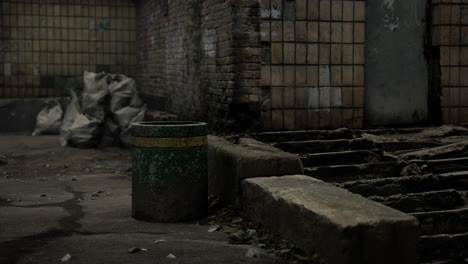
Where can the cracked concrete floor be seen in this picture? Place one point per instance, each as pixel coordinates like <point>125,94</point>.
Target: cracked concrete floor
<point>48,210</point>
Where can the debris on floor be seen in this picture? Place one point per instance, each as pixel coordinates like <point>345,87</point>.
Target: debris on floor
<point>3,160</point>
<point>136,250</point>
<point>159,241</point>
<point>243,231</point>
<point>66,258</point>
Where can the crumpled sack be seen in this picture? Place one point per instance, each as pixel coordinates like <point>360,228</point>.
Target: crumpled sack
<point>126,134</point>
<point>125,116</point>
<point>85,132</point>
<point>122,89</point>
<point>95,95</point>
<point>111,133</point>
<point>73,110</point>
<point>49,119</point>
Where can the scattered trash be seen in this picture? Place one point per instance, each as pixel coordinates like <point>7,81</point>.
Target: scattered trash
<point>73,110</point>
<point>252,253</point>
<point>84,132</point>
<point>111,103</point>
<point>238,236</point>
<point>49,119</point>
<point>170,256</point>
<point>95,194</point>
<point>411,169</point>
<point>159,241</point>
<point>47,165</point>
<point>251,232</point>
<point>3,160</point>
<point>66,258</point>
<point>108,194</point>
<point>8,200</point>
<point>213,228</point>
<point>237,220</point>
<point>78,200</point>
<point>95,95</point>
<point>230,229</point>
<point>136,250</point>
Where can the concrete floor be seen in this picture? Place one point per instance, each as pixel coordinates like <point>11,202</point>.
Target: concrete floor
<point>48,210</point>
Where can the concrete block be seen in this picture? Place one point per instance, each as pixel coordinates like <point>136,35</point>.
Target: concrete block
<point>229,164</point>
<point>341,227</point>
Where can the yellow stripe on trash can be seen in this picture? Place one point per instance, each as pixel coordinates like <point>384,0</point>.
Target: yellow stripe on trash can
<point>145,142</point>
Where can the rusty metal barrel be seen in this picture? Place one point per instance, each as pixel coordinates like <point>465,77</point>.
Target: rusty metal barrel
<point>169,166</point>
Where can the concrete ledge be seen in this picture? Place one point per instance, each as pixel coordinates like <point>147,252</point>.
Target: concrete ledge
<point>340,226</point>
<point>229,164</point>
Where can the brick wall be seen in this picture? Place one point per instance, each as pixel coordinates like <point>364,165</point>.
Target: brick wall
<point>312,63</point>
<point>46,45</point>
<point>194,59</point>
<point>450,38</point>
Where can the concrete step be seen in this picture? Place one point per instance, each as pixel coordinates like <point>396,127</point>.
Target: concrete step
<point>455,150</point>
<point>391,146</point>
<point>283,136</point>
<point>408,184</point>
<point>445,246</point>
<point>448,261</point>
<point>344,158</point>
<point>345,173</point>
<point>320,146</point>
<point>443,165</point>
<point>443,222</point>
<point>424,201</point>
<point>339,226</point>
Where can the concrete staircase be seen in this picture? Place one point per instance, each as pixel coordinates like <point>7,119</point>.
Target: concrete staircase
<point>422,172</point>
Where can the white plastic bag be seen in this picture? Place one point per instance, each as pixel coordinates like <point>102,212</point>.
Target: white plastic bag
<point>73,110</point>
<point>49,119</point>
<point>126,134</point>
<point>95,95</point>
<point>85,132</point>
<point>122,90</point>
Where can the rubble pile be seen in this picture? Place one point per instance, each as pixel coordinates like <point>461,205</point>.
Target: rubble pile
<point>102,116</point>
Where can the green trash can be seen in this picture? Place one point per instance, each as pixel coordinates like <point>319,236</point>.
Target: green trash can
<point>169,182</point>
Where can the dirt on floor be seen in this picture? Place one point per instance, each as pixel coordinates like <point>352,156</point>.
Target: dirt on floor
<point>58,201</point>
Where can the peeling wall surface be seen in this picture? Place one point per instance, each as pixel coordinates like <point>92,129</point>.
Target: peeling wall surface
<point>397,83</point>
